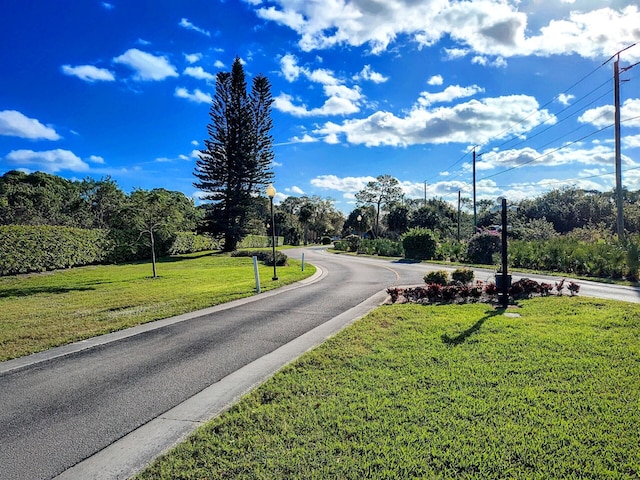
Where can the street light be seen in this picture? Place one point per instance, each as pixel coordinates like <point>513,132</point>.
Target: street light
<point>271,192</point>
<point>359,225</point>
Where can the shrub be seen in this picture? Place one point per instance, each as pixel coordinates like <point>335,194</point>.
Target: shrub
<point>381,246</point>
<point>451,251</point>
<point>462,275</point>
<point>419,244</point>
<point>28,248</point>
<point>353,241</point>
<point>482,246</point>
<point>633,262</point>
<point>440,277</point>
<point>341,245</point>
<point>325,240</point>
<point>265,256</point>
<point>190,242</point>
<point>259,241</point>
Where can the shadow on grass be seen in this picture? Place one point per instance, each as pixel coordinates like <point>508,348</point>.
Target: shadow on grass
<point>462,337</point>
<point>26,292</point>
<point>407,260</point>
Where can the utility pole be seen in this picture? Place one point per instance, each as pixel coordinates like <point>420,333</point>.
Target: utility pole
<point>425,193</point>
<point>618,153</point>
<point>616,94</point>
<point>475,213</point>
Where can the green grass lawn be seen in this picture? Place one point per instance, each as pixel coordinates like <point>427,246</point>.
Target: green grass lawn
<point>441,392</point>
<point>40,311</point>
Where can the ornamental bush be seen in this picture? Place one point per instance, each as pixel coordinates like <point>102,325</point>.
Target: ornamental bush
<point>482,246</point>
<point>419,244</point>
<point>440,277</point>
<point>353,241</point>
<point>462,275</point>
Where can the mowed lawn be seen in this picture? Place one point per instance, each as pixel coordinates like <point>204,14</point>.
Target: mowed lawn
<point>444,392</point>
<point>40,311</point>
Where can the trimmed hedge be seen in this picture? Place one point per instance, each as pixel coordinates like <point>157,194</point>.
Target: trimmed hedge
<point>259,241</point>
<point>264,256</point>
<point>190,242</point>
<point>37,248</point>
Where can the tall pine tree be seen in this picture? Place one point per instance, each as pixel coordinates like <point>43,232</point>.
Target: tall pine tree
<point>235,167</point>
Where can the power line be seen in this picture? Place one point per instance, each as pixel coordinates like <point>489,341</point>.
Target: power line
<point>557,149</point>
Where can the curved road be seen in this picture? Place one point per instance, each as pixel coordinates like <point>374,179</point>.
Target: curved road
<point>62,407</point>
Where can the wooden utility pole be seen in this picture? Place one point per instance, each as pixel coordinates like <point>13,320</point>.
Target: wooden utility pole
<point>619,199</point>
<point>618,153</point>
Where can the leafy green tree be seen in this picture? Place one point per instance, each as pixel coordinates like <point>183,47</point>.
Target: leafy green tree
<point>104,200</point>
<point>383,192</point>
<point>398,219</point>
<point>362,226</point>
<point>235,167</point>
<point>160,213</point>
<point>41,199</point>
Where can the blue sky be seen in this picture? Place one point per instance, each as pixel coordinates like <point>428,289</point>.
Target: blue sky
<point>361,87</point>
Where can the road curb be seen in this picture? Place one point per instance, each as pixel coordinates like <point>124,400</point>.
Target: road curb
<point>135,451</point>
<point>72,348</point>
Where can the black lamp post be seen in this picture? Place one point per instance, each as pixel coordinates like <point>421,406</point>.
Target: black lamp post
<point>271,192</point>
<point>505,276</point>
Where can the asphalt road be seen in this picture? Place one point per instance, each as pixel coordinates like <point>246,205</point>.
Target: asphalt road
<point>63,408</point>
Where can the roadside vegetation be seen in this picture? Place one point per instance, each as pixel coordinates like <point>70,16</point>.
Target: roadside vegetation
<point>40,311</point>
<point>449,391</point>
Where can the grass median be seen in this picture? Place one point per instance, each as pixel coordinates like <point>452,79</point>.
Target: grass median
<point>442,392</point>
<point>40,311</point>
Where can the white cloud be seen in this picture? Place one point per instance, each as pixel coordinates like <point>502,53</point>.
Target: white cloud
<point>51,161</point>
<point>197,96</point>
<point>604,116</point>
<point>435,80</point>
<point>345,185</point>
<point>219,65</point>
<point>89,73</point>
<point>565,99</point>
<point>96,159</point>
<point>482,27</point>
<point>146,66</point>
<point>631,141</point>
<point>194,143</point>
<point>294,189</point>
<point>193,57</point>
<point>15,124</point>
<point>107,6</point>
<point>368,73</point>
<point>199,73</point>
<point>342,100</point>
<point>473,122</point>
<point>598,155</point>
<point>449,94</point>
<point>184,23</point>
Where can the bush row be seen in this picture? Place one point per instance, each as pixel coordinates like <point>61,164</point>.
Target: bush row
<point>459,292</point>
<point>265,256</point>
<point>190,242</point>
<point>259,241</point>
<point>565,254</point>
<point>27,248</point>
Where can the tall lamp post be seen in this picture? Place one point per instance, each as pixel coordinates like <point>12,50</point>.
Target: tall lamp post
<point>360,225</point>
<point>271,192</point>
